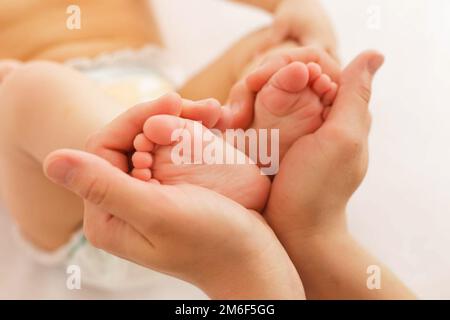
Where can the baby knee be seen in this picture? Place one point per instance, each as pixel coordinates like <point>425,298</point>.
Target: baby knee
<point>29,79</point>
<point>22,95</point>
<point>27,87</point>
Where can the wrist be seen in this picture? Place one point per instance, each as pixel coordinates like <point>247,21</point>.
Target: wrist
<point>305,221</point>
<point>314,244</point>
<point>267,273</point>
<point>320,236</point>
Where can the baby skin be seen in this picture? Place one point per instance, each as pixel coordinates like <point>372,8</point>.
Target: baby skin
<point>153,161</point>
<point>293,100</point>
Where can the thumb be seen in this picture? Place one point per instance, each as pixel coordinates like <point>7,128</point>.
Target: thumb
<point>241,104</point>
<point>355,90</point>
<point>98,182</point>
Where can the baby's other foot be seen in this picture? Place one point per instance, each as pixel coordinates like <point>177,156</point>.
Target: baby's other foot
<point>167,151</point>
<point>293,101</point>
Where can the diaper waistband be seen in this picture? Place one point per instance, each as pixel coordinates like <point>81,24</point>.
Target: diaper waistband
<point>151,59</point>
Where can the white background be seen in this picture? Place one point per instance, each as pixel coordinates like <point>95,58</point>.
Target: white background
<point>402,211</point>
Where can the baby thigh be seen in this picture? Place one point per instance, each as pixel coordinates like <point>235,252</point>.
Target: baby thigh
<point>43,107</point>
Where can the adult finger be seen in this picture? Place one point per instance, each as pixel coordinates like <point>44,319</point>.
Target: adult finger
<point>117,237</point>
<point>120,133</point>
<point>107,187</point>
<point>207,111</point>
<point>241,106</point>
<point>258,78</point>
<point>114,141</point>
<point>352,102</point>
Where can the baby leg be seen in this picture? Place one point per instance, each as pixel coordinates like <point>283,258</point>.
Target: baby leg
<point>43,107</point>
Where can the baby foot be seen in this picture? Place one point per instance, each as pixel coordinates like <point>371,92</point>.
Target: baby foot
<point>167,151</point>
<point>293,101</point>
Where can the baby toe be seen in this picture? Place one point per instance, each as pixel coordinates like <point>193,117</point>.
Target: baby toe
<point>142,174</point>
<point>160,129</point>
<point>322,85</point>
<point>315,71</point>
<point>142,143</point>
<point>259,77</point>
<point>292,78</point>
<point>142,160</point>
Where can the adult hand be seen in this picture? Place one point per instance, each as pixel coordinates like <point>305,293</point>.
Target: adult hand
<point>321,171</point>
<point>317,177</point>
<point>185,231</point>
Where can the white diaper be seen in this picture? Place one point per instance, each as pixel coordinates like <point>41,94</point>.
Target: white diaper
<point>131,77</point>
<point>98,268</point>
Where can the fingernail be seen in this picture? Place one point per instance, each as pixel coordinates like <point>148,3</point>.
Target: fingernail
<point>375,63</point>
<point>60,170</point>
